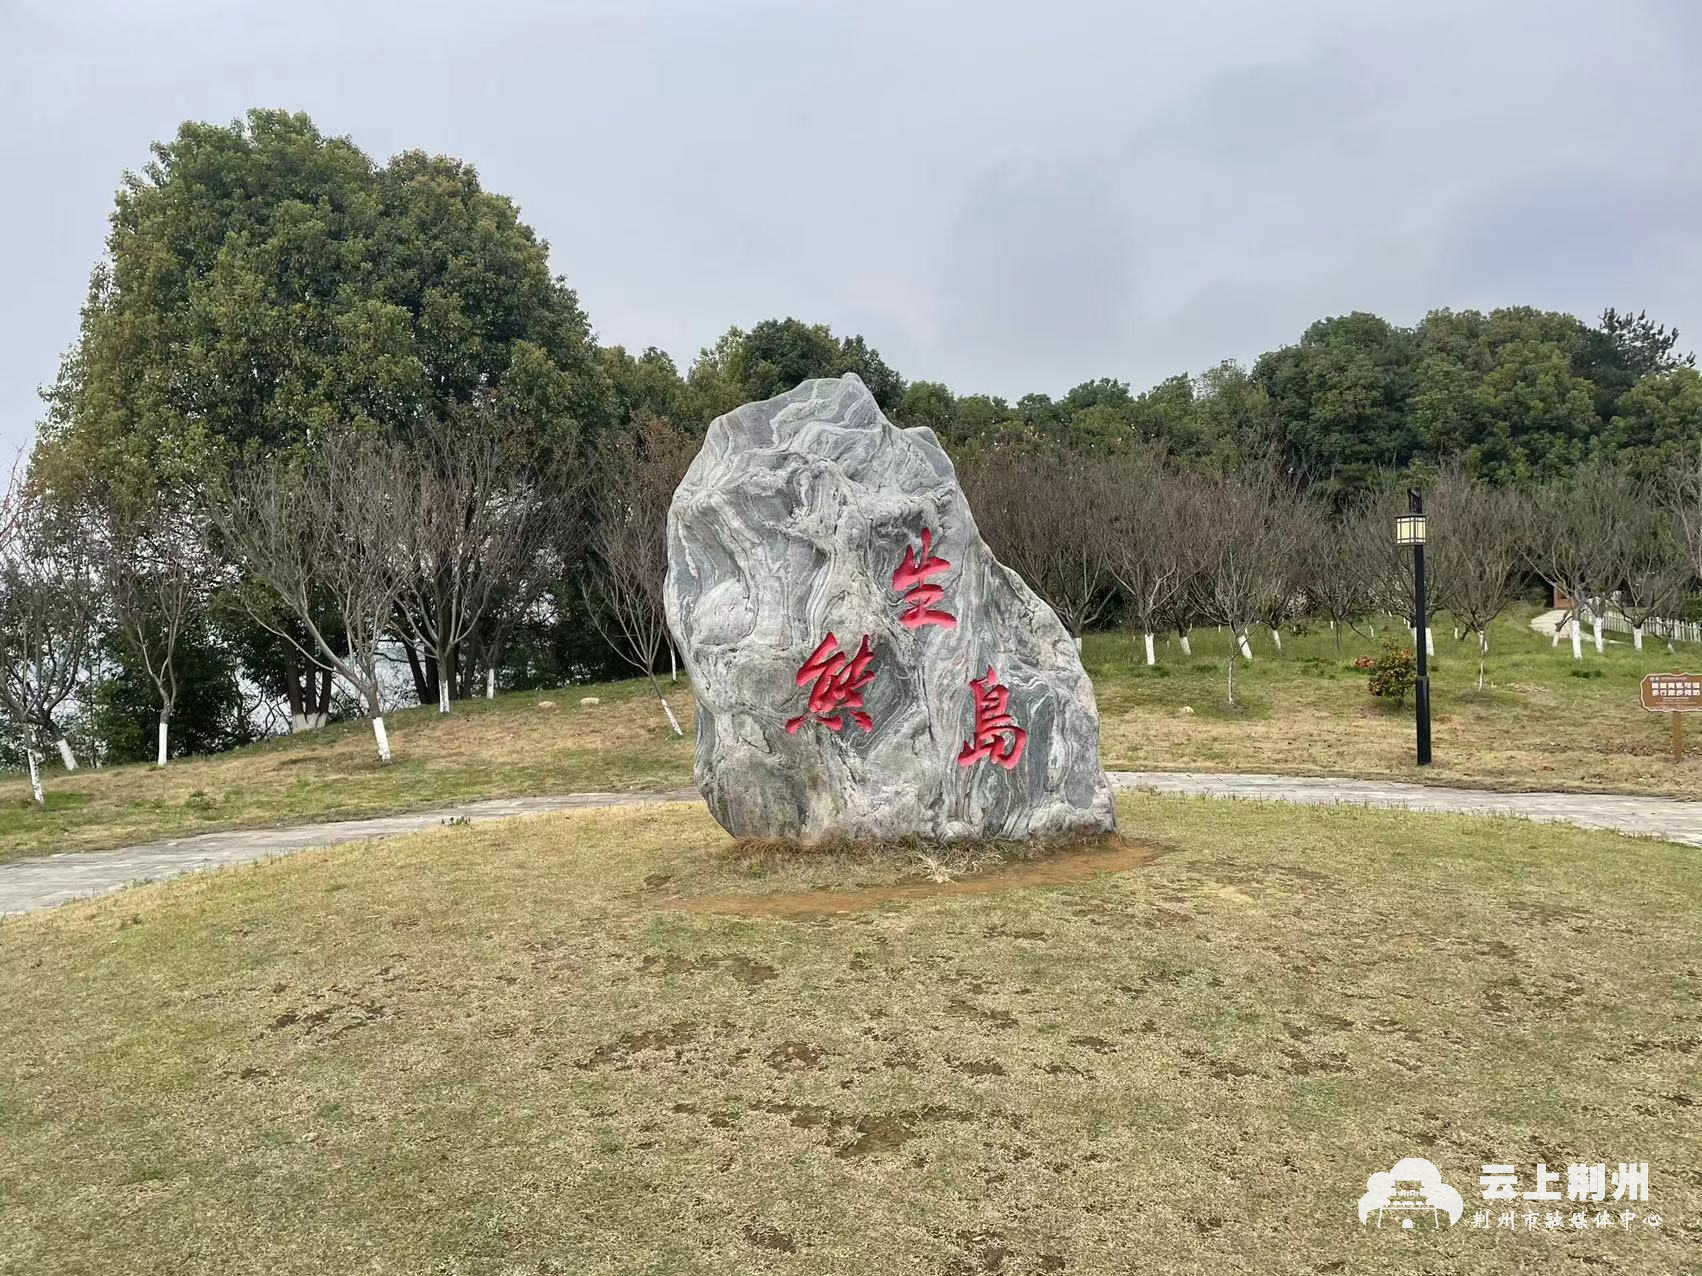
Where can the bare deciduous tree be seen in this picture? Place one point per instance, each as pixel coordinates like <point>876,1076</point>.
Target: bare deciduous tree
<point>635,475</point>
<point>48,607</point>
<point>472,523</point>
<point>1687,504</point>
<point>1333,565</point>
<point>1657,565</point>
<point>1248,540</point>
<point>1044,512</point>
<point>1147,539</point>
<point>1473,537</point>
<point>324,528</point>
<point>1576,538</point>
<point>157,572</point>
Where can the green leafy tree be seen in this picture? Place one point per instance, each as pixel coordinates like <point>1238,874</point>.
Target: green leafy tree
<point>264,283</point>
<point>1658,425</point>
<point>1505,392</point>
<point>1339,399</point>
<point>775,355</point>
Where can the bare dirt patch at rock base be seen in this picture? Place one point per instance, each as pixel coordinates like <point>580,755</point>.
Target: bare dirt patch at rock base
<point>1113,854</point>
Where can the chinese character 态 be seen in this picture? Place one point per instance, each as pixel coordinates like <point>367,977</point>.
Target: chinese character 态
<point>994,725</point>
<point>911,580</point>
<point>838,686</point>
<point>1499,1182</point>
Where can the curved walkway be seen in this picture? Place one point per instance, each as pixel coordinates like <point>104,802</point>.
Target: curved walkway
<point>45,880</point>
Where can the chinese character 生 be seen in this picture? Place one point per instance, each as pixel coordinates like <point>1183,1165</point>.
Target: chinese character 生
<point>911,579</point>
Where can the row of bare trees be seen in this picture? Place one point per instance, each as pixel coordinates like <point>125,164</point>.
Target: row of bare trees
<point>1169,549</point>
<point>439,546</point>
<point>442,544</point>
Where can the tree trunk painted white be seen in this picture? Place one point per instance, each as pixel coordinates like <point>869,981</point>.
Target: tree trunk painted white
<point>1429,641</point>
<point>65,754</point>
<point>1637,637</point>
<point>1276,637</point>
<point>298,722</point>
<point>163,730</point>
<point>1246,647</point>
<point>490,683</point>
<point>673,664</point>
<point>1598,628</point>
<point>1556,640</point>
<point>382,736</point>
<point>1577,639</point>
<point>443,695</point>
<point>669,710</point>
<point>1078,642</point>
<point>35,779</point>
<point>1482,655</point>
<point>1151,656</point>
<point>1187,647</point>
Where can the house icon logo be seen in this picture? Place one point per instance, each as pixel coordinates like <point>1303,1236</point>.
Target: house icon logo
<point>1409,1193</point>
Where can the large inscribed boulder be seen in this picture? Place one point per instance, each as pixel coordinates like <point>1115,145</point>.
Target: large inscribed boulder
<point>864,667</point>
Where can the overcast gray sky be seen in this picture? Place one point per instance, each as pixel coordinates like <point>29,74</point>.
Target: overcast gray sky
<point>1005,197</point>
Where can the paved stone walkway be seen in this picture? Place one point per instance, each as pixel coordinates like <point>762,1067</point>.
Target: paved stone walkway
<point>1668,818</point>
<point>45,880</point>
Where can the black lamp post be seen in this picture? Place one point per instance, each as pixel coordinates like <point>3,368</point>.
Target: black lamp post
<point>1409,530</point>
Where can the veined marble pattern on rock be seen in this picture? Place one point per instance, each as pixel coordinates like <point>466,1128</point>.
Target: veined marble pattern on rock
<point>792,524</point>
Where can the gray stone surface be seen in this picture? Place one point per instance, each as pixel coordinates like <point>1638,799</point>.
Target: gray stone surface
<point>789,527</point>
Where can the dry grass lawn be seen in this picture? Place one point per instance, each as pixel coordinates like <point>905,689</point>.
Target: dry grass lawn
<point>534,1048</point>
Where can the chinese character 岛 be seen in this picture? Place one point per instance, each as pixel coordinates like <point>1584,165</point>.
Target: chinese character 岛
<point>994,726</point>
<point>911,579</point>
<point>838,686</point>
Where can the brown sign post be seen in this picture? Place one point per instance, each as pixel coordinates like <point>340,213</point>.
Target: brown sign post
<point>1677,694</point>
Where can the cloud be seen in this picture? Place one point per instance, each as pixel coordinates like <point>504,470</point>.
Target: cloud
<point>999,203</point>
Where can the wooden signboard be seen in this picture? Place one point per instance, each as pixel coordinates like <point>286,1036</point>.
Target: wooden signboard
<point>1674,693</point>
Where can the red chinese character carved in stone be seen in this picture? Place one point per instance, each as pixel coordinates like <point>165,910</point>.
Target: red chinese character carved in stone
<point>911,579</point>
<point>838,686</point>
<point>997,735</point>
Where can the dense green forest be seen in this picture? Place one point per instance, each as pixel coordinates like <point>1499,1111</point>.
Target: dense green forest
<point>266,287</point>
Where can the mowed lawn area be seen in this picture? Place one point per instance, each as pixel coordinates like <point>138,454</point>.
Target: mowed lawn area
<point>1544,722</point>
<point>611,1042</point>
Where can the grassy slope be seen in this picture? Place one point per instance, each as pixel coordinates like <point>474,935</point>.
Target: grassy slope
<point>501,1050</point>
<point>1306,711</point>
<point>511,745</point>
<point>1542,722</point>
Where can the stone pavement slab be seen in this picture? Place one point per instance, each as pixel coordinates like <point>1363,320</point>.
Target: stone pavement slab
<point>45,880</point>
<point>1671,819</point>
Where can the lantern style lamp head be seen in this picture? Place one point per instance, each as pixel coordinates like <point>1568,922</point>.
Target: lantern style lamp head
<point>1409,529</point>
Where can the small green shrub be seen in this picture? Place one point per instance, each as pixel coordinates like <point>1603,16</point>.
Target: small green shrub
<point>1393,672</point>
